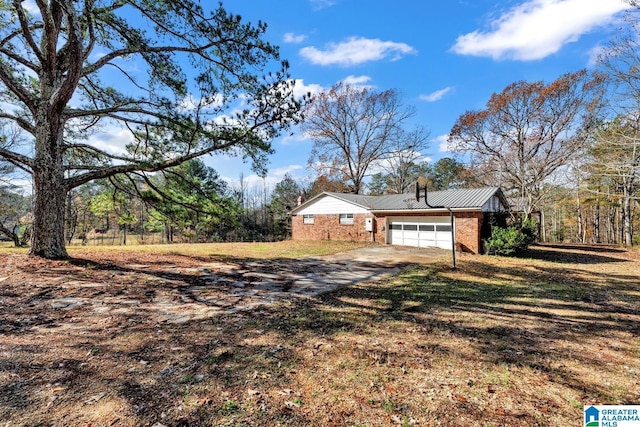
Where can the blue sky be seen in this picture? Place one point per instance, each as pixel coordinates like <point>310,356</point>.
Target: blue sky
<point>444,56</point>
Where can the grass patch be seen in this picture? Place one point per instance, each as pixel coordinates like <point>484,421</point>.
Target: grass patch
<point>259,250</point>
<point>500,341</point>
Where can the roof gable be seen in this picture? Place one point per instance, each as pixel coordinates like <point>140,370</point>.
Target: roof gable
<point>331,203</point>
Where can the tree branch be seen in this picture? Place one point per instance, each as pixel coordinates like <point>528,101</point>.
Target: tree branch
<point>26,30</point>
<point>16,88</point>
<point>19,121</point>
<point>144,166</point>
<point>23,162</point>
<point>13,55</point>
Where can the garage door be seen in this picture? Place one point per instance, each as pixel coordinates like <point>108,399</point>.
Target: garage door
<point>422,232</point>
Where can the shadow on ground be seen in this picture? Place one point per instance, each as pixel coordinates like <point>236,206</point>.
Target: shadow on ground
<point>575,254</point>
<point>110,357</point>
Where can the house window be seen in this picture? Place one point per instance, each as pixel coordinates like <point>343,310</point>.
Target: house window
<point>346,219</point>
<point>307,219</point>
<point>443,227</point>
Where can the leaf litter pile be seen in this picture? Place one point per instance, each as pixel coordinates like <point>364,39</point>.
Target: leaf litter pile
<point>120,338</point>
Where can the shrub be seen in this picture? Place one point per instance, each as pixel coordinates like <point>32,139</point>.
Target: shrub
<point>512,240</point>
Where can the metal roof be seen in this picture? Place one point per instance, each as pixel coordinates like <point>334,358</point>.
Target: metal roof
<point>468,198</point>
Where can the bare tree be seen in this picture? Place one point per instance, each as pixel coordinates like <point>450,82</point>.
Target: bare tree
<point>528,131</point>
<point>615,154</point>
<point>406,154</point>
<point>324,183</point>
<point>56,57</point>
<point>615,165</point>
<point>353,128</point>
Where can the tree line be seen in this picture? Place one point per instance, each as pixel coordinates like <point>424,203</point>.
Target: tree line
<point>186,203</point>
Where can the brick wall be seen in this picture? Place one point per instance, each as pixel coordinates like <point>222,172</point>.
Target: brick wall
<point>468,226</point>
<point>328,227</point>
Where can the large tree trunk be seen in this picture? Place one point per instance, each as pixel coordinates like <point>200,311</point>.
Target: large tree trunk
<point>596,223</point>
<point>626,221</point>
<point>580,234</point>
<point>47,239</point>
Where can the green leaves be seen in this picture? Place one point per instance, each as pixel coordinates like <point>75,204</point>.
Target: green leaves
<point>512,240</point>
<point>134,63</point>
<point>192,196</point>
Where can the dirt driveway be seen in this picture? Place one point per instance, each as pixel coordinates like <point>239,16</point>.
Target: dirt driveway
<point>178,289</point>
<point>393,256</point>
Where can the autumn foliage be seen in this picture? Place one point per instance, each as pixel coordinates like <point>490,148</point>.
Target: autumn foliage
<point>528,131</point>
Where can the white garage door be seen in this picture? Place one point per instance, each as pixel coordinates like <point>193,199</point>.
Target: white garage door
<point>422,232</point>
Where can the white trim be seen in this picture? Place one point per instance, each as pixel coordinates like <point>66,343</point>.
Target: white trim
<point>330,205</point>
<point>345,218</point>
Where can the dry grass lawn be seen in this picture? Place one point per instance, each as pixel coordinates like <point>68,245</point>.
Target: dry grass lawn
<point>499,342</point>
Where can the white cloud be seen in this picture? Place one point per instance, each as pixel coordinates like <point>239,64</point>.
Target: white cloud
<point>254,182</point>
<point>190,103</point>
<point>112,139</point>
<point>10,107</point>
<point>321,4</point>
<point>357,81</point>
<point>436,96</point>
<point>300,89</point>
<point>23,186</point>
<point>595,54</point>
<point>293,38</point>
<point>294,139</point>
<point>444,146</point>
<point>97,53</point>
<point>279,173</point>
<point>31,7</point>
<point>356,50</point>
<point>538,28</point>
<point>391,162</point>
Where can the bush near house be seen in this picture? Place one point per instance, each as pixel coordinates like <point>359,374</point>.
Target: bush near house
<point>512,240</point>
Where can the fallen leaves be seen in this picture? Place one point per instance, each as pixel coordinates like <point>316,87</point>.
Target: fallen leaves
<point>475,347</point>
<point>95,398</point>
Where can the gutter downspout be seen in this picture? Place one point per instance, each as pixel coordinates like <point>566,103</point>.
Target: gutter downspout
<point>453,232</point>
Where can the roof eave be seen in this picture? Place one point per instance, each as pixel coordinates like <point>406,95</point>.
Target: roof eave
<point>427,210</point>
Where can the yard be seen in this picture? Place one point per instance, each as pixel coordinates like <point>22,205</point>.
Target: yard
<point>103,340</point>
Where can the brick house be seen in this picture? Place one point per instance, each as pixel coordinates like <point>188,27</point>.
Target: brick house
<point>400,220</point>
